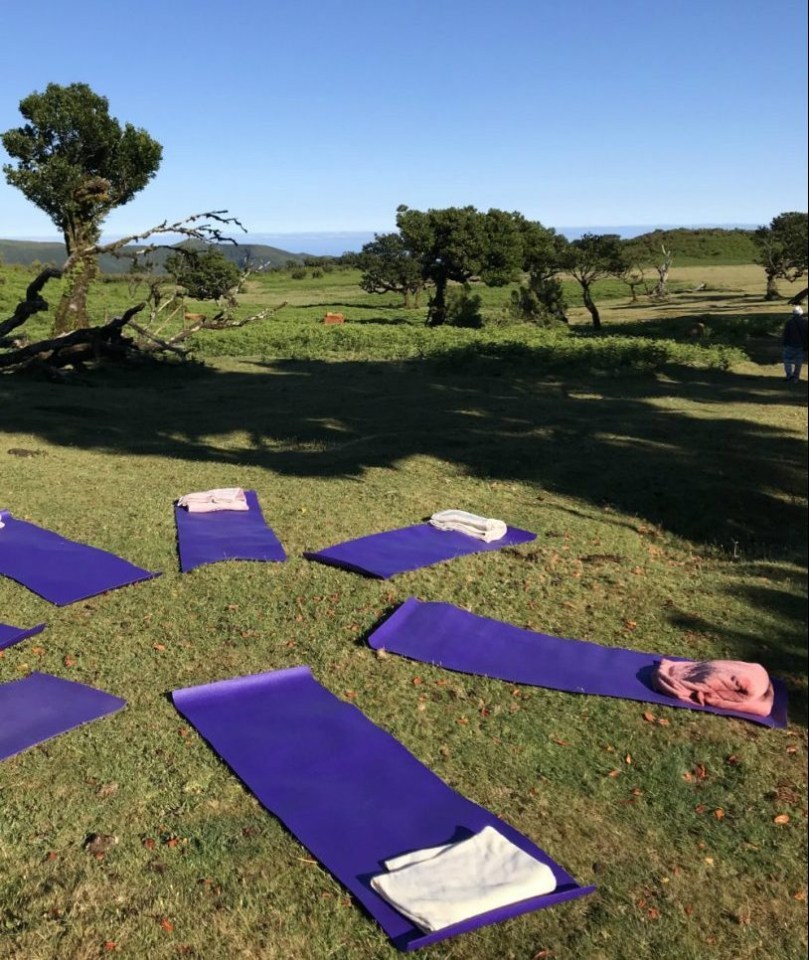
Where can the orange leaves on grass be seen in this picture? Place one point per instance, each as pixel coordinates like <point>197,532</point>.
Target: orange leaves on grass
<point>649,717</point>
<point>781,819</point>
<point>166,924</point>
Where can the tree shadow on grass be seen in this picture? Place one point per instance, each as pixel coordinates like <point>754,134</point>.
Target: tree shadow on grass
<point>717,478</point>
<point>672,451</point>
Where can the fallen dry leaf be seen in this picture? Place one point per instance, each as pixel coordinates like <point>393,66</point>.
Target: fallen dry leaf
<point>648,717</point>
<point>166,924</point>
<point>781,819</point>
<point>719,813</point>
<point>800,896</point>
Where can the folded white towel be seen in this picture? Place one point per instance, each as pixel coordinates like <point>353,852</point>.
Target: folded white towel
<point>444,885</point>
<point>209,501</point>
<point>482,528</point>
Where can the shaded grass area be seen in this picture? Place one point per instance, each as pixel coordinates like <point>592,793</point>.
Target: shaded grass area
<point>670,508</point>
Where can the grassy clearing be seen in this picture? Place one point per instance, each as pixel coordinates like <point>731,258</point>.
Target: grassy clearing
<point>669,500</point>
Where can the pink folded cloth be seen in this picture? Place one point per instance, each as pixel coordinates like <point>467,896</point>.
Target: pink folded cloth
<point>209,501</point>
<point>729,684</point>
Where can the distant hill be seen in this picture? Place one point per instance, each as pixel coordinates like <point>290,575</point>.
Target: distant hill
<point>702,245</point>
<point>26,252</point>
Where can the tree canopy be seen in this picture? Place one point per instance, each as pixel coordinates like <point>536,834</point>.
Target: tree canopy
<point>389,267</point>
<point>76,163</point>
<point>590,258</point>
<point>783,249</point>
<point>204,274</point>
<point>455,244</point>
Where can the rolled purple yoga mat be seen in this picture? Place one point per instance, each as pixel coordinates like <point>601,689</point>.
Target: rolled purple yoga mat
<point>385,554</point>
<point>10,635</point>
<point>446,636</point>
<point>349,791</point>
<point>40,706</point>
<point>61,571</point>
<point>225,535</point>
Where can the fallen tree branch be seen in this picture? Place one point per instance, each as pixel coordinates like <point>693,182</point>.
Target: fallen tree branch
<point>75,347</point>
<point>33,303</point>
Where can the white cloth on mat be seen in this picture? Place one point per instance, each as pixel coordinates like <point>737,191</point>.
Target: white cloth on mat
<point>444,885</point>
<point>482,528</point>
<point>209,501</point>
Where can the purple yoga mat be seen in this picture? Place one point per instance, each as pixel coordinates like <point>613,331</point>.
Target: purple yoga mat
<point>60,570</point>
<point>40,706</point>
<point>350,792</point>
<point>225,535</point>
<point>384,555</point>
<point>446,636</point>
<point>10,635</point>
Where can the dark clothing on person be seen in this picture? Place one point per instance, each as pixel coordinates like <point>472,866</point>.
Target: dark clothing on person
<point>795,332</point>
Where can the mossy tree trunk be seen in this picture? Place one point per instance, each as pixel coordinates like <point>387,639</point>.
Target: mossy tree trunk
<point>71,313</point>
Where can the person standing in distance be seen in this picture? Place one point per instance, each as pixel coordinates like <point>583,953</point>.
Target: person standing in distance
<point>794,340</point>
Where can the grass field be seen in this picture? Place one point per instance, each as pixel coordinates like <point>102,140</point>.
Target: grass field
<point>666,481</point>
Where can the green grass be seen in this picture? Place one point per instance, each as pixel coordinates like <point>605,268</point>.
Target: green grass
<point>668,493</point>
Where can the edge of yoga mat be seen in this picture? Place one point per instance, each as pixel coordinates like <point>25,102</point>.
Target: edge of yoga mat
<point>454,545</point>
<point>225,532</point>
<point>304,811</point>
<point>39,707</point>
<point>385,636</point>
<point>10,635</point>
<point>128,573</point>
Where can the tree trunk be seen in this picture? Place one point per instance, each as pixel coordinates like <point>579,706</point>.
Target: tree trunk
<point>772,287</point>
<point>437,312</point>
<point>71,313</point>
<point>590,304</point>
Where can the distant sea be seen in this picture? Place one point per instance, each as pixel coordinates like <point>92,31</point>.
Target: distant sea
<point>335,243</point>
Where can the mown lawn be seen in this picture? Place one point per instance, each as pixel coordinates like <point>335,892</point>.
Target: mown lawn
<point>667,486</point>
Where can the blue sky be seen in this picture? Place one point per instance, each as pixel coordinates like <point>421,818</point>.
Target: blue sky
<point>324,116</point>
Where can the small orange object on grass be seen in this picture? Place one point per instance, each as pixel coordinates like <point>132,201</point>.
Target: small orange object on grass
<point>334,318</point>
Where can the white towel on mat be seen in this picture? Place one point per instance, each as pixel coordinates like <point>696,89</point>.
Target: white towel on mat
<point>482,528</point>
<point>209,501</point>
<point>444,885</point>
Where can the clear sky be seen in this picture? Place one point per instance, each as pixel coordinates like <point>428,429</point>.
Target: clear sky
<point>324,115</point>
